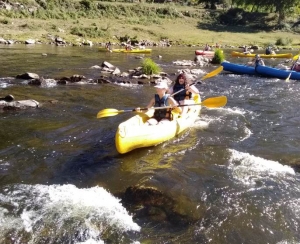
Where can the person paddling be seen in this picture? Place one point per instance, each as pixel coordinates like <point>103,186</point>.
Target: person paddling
<point>207,47</point>
<point>182,91</point>
<point>296,65</point>
<point>161,99</point>
<point>246,50</point>
<point>257,61</point>
<point>108,46</point>
<point>270,51</point>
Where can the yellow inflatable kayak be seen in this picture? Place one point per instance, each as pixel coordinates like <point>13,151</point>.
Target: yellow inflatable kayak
<point>252,55</point>
<point>132,50</point>
<point>133,133</point>
<point>123,50</point>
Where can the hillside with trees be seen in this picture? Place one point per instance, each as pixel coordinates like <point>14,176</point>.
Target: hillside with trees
<point>184,22</point>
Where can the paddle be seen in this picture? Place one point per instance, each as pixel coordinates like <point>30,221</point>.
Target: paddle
<point>8,98</point>
<point>296,57</point>
<point>213,102</point>
<point>288,78</point>
<point>209,75</point>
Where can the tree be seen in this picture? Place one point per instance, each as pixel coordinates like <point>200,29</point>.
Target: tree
<point>209,3</point>
<point>282,7</point>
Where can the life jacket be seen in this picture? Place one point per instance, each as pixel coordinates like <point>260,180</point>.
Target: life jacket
<point>181,95</point>
<point>297,67</point>
<point>257,61</point>
<point>160,114</point>
<point>268,51</point>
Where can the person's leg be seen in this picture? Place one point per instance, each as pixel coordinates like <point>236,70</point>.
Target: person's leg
<point>163,121</point>
<point>185,109</point>
<point>151,121</point>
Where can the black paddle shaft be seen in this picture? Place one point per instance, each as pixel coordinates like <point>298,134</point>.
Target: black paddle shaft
<point>194,83</point>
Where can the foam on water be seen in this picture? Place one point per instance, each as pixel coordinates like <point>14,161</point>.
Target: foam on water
<point>4,85</point>
<point>236,110</point>
<point>86,213</point>
<point>201,124</point>
<point>262,203</point>
<point>248,168</point>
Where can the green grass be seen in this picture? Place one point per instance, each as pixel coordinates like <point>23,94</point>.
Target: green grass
<point>183,25</point>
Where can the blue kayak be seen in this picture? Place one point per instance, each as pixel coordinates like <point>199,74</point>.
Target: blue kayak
<point>260,71</point>
<point>276,73</point>
<point>239,68</point>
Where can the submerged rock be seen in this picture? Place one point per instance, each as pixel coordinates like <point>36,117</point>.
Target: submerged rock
<point>148,202</point>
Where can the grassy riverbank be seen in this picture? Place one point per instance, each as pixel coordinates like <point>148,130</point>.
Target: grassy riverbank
<point>183,25</point>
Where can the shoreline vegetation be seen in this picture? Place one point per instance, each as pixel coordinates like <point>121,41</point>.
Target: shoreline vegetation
<point>96,22</point>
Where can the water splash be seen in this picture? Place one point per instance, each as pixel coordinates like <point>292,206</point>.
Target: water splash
<point>260,205</point>
<point>248,169</point>
<point>62,213</point>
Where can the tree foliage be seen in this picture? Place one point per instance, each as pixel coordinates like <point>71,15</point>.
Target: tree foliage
<point>283,8</point>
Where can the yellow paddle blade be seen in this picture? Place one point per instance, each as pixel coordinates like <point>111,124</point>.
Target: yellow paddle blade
<point>213,73</point>
<point>215,102</point>
<point>288,78</point>
<point>108,112</point>
<point>296,57</point>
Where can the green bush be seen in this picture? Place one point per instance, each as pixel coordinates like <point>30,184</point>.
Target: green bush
<point>89,32</point>
<point>126,38</point>
<point>149,67</point>
<point>218,57</point>
<point>283,41</point>
<point>4,21</point>
<point>87,4</point>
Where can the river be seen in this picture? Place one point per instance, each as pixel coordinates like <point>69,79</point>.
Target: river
<point>234,175</point>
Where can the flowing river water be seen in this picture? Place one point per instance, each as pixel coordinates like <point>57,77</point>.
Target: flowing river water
<point>234,175</point>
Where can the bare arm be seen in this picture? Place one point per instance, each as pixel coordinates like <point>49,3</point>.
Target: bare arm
<point>193,89</point>
<point>172,102</point>
<point>150,104</point>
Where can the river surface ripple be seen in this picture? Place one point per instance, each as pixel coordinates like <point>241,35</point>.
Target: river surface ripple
<point>234,174</point>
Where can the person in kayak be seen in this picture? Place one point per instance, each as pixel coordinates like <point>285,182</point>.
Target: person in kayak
<point>257,61</point>
<point>246,50</point>
<point>161,99</point>
<point>108,46</point>
<point>269,50</point>
<point>183,92</point>
<point>296,65</point>
<point>207,47</point>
